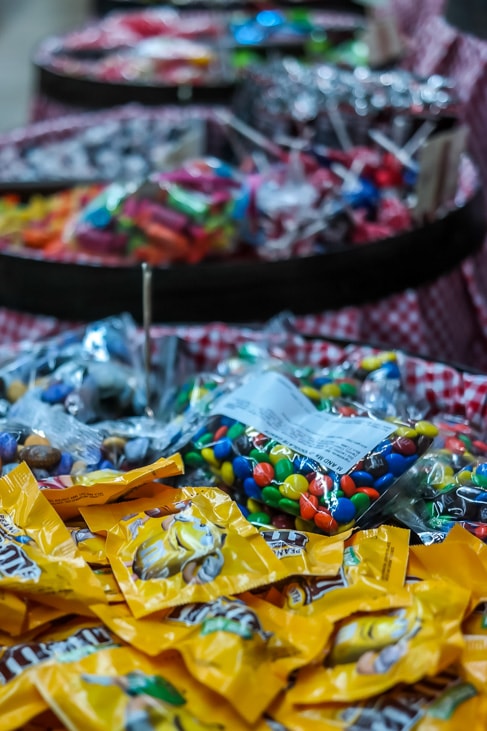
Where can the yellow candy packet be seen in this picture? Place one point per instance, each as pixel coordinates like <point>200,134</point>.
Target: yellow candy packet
<point>371,652</point>
<point>305,553</point>
<point>442,703</point>
<point>253,645</point>
<point>381,553</point>
<point>473,662</point>
<point>89,544</point>
<point>13,612</point>
<point>110,585</point>
<point>124,689</point>
<point>104,486</point>
<point>100,521</point>
<point>19,699</point>
<point>460,558</point>
<point>37,555</point>
<point>371,578</point>
<point>192,550</point>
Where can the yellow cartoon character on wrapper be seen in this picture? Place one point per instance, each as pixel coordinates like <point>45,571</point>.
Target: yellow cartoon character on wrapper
<point>153,704</point>
<point>375,642</point>
<point>187,545</point>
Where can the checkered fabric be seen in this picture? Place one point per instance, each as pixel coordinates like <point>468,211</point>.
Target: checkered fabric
<point>446,387</point>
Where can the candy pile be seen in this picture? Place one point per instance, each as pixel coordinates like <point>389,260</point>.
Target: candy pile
<point>124,145</point>
<point>120,579</point>
<point>188,214</point>
<point>164,47</point>
<point>339,105</point>
<point>310,202</point>
<point>110,616</point>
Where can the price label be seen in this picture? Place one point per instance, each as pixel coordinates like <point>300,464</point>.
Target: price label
<point>439,163</point>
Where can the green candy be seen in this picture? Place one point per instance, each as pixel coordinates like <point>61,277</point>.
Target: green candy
<point>289,506</point>
<point>259,456</point>
<point>193,459</point>
<point>259,518</point>
<point>479,480</point>
<point>348,389</point>
<point>235,430</point>
<point>271,496</point>
<point>361,501</point>
<point>283,468</point>
<point>204,440</point>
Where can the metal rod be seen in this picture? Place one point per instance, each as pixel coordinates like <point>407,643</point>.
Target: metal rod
<point>147,321</point>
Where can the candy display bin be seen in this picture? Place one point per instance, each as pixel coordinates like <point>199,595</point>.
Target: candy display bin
<point>233,289</point>
<point>389,291</point>
<point>158,55</point>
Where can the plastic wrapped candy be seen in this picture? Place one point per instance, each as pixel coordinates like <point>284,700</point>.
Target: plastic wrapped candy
<point>183,215</point>
<point>268,442</point>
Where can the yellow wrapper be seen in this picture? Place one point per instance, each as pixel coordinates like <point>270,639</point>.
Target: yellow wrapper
<point>101,521</point>
<point>473,662</point>
<point>204,548</point>
<point>103,486</point>
<point>37,555</point>
<point>13,613</point>
<point>89,544</point>
<point>372,652</point>
<point>115,689</point>
<point>460,558</point>
<point>379,553</point>
<point>305,553</point>
<point>39,616</point>
<point>442,703</point>
<point>244,649</point>
<point>371,578</point>
<point>19,699</point>
<point>110,585</point>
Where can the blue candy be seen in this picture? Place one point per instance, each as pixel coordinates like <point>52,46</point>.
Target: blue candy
<point>344,511</point>
<point>242,467</point>
<point>362,478</point>
<point>397,463</point>
<point>223,448</point>
<point>252,489</point>
<point>64,465</point>
<point>56,393</point>
<point>8,447</point>
<point>383,482</point>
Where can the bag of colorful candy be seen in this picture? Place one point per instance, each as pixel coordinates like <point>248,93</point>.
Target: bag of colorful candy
<point>446,486</point>
<point>266,441</point>
<point>93,373</point>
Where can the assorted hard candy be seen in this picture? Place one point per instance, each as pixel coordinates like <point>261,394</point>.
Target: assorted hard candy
<point>162,46</point>
<point>337,105</point>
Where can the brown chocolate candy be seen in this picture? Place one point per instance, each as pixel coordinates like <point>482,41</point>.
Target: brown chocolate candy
<point>40,456</point>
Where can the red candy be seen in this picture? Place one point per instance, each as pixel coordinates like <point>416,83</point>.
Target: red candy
<point>347,485</point>
<point>455,445</point>
<point>220,433</point>
<point>404,446</point>
<point>325,521</point>
<point>320,485</point>
<point>371,492</point>
<point>308,506</point>
<point>263,473</point>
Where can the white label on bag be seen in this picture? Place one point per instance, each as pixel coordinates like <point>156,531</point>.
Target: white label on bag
<point>274,406</point>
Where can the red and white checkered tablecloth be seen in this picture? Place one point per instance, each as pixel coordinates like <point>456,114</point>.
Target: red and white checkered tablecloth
<point>445,387</point>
